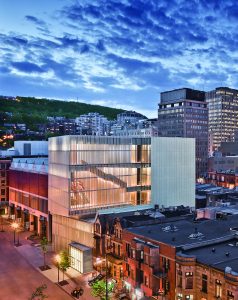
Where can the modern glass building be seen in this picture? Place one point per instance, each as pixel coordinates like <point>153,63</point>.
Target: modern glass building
<point>90,173</point>
<point>223,116</point>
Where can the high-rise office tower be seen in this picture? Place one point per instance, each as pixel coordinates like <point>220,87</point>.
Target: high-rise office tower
<point>184,113</point>
<point>223,116</point>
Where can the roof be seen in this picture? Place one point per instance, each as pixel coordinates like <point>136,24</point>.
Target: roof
<point>30,164</point>
<point>79,246</point>
<point>187,231</point>
<point>219,256</point>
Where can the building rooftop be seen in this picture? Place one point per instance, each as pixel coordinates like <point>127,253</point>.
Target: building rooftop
<point>187,232</point>
<point>219,256</point>
<point>30,164</point>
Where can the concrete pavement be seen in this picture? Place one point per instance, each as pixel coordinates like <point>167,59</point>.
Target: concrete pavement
<point>19,271</point>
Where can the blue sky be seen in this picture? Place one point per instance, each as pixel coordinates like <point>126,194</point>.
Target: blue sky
<point>116,53</point>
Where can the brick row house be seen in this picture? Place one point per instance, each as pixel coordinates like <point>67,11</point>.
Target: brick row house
<point>170,258</point>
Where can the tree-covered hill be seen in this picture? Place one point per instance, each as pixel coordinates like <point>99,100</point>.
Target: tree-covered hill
<point>32,110</point>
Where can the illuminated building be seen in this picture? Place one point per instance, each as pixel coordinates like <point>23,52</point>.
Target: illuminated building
<point>4,181</point>
<point>223,116</point>
<point>184,113</point>
<point>28,193</point>
<point>182,260</point>
<point>89,173</point>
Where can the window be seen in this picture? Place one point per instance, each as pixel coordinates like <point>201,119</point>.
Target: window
<point>2,192</point>
<point>128,269</point>
<point>189,280</point>
<point>118,250</point>
<point>218,288</point>
<point>166,263</point>
<point>97,228</point>
<point>128,249</point>
<point>204,283</point>
<point>179,278</point>
<point>167,286</point>
<point>146,259</point>
<point>141,254</point>
<point>230,295</point>
<point>146,280</point>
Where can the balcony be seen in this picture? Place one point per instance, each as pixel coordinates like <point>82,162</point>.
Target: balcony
<point>115,259</point>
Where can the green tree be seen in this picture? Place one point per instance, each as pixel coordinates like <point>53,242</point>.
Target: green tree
<point>38,294</point>
<point>44,247</point>
<point>99,289</point>
<point>64,263</point>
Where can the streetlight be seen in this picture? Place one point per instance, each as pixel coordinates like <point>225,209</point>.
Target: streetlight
<point>58,259</point>
<point>15,226</point>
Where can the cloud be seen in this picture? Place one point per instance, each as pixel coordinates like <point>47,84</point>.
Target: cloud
<point>129,50</point>
<point>27,67</point>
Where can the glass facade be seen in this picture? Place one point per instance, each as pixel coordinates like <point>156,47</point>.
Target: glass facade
<point>223,113</point>
<point>89,172</point>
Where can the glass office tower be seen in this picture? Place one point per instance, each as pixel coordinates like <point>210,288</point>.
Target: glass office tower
<point>91,172</point>
<point>223,116</point>
<point>184,113</point>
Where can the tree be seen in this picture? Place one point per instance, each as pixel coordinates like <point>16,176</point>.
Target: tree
<point>64,262</point>
<point>44,247</point>
<point>99,289</point>
<point>38,294</point>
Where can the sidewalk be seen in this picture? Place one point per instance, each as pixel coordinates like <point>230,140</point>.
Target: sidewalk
<point>33,254</point>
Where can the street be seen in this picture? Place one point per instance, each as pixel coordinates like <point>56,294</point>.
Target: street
<point>19,279</point>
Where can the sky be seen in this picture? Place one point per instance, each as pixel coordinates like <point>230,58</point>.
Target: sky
<point>116,53</point>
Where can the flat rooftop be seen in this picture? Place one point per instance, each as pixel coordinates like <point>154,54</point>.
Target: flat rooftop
<point>218,256</point>
<point>187,232</point>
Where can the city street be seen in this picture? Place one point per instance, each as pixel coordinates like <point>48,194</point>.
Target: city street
<point>19,279</point>
<point>20,274</point>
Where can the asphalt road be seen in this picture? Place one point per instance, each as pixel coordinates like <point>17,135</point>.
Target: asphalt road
<point>18,279</point>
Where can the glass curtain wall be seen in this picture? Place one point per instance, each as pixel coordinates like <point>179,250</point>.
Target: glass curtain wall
<point>102,171</point>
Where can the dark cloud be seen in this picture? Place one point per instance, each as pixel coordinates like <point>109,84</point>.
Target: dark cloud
<point>40,24</point>
<point>27,67</point>
<point>35,20</point>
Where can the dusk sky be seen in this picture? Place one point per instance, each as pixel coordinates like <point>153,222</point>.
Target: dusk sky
<point>116,53</point>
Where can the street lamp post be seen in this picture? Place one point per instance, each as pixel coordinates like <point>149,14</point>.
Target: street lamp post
<point>15,226</point>
<point>57,258</point>
<point>106,277</point>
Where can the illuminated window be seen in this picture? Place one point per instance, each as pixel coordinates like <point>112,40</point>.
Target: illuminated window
<point>189,280</point>
<point>218,288</point>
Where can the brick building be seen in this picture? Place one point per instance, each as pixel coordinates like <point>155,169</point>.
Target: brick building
<point>28,193</point>
<point>108,240</point>
<point>173,260</point>
<point>226,179</point>
<point>4,189</point>
<point>209,272</point>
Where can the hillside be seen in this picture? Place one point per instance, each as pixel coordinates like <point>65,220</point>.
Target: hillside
<point>31,110</point>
